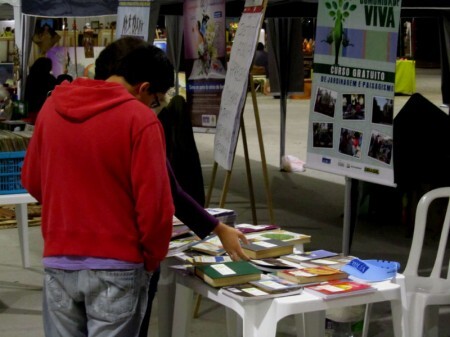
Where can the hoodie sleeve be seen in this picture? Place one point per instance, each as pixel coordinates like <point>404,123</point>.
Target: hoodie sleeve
<point>151,189</point>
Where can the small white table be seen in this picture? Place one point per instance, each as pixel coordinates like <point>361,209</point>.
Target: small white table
<point>166,294</point>
<point>21,202</point>
<point>260,317</point>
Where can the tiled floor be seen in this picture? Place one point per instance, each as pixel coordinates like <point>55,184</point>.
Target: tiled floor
<point>311,202</point>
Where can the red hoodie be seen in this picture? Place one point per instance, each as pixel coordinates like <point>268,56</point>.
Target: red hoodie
<point>97,164</point>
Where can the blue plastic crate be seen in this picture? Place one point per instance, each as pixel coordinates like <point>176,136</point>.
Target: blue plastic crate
<point>10,169</point>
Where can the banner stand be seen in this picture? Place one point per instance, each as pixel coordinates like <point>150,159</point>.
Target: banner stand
<point>247,165</point>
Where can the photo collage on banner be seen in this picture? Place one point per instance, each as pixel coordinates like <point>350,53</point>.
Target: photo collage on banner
<point>352,99</point>
<point>133,19</point>
<point>205,56</point>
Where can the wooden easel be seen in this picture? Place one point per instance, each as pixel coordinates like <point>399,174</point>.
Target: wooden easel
<point>247,165</point>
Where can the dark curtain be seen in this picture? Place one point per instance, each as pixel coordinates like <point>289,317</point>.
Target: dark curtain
<point>174,26</point>
<point>445,58</point>
<point>285,64</point>
<point>72,8</point>
<point>28,23</point>
<point>153,23</point>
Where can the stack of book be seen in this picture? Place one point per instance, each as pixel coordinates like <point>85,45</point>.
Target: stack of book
<point>210,248</point>
<point>227,216</point>
<point>269,286</point>
<point>335,289</point>
<point>280,234</point>
<point>178,246</point>
<point>309,256</point>
<point>14,141</point>
<point>267,248</point>
<point>312,274</point>
<point>228,273</point>
<point>248,228</point>
<point>182,238</point>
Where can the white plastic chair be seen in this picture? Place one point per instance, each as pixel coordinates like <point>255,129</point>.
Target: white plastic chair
<point>425,293</point>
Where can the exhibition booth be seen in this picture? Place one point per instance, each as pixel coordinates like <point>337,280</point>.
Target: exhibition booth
<point>88,30</point>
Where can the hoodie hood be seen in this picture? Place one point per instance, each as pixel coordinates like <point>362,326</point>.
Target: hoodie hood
<point>85,98</point>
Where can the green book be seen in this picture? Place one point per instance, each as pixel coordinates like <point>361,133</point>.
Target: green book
<point>228,273</point>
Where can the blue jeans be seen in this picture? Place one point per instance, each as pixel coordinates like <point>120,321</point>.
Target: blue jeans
<point>100,303</point>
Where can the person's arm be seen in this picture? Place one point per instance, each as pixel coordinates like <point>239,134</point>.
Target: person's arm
<point>202,223</point>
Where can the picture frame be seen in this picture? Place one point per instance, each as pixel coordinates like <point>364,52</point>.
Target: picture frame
<point>95,24</point>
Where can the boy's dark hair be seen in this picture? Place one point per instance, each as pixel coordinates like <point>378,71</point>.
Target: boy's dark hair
<point>63,77</point>
<point>137,61</point>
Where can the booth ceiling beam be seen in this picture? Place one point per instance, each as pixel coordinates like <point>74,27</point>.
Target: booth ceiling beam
<point>275,8</point>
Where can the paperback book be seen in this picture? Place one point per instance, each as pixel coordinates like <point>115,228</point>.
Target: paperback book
<point>227,216</point>
<point>272,264</point>
<point>314,274</point>
<point>205,259</point>
<point>311,255</point>
<point>247,291</point>
<point>267,248</point>
<point>228,273</point>
<point>208,248</point>
<point>180,231</point>
<point>335,289</point>
<point>273,284</point>
<point>334,261</point>
<point>194,258</point>
<point>248,228</point>
<point>178,246</point>
<point>282,235</point>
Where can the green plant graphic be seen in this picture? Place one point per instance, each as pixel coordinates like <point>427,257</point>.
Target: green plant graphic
<point>339,11</point>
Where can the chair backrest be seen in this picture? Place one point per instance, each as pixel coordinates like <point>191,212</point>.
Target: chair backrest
<point>434,280</point>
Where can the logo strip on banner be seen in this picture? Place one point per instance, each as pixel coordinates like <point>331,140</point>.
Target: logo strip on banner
<point>253,9</point>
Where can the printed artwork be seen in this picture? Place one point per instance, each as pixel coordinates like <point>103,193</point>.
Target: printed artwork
<point>351,111</point>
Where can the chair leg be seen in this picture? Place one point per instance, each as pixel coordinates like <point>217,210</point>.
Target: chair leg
<point>431,321</point>
<point>416,317</point>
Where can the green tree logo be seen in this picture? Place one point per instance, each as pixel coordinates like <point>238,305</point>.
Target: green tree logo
<point>339,11</point>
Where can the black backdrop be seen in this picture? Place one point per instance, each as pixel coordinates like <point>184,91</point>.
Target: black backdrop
<point>276,8</point>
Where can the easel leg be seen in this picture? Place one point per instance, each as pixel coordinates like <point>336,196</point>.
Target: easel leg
<point>211,185</point>
<point>262,153</point>
<point>249,172</point>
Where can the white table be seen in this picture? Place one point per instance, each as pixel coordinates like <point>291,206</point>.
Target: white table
<point>260,317</point>
<point>166,294</point>
<point>21,202</point>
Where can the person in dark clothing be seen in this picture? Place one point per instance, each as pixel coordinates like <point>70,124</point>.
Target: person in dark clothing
<point>187,209</point>
<point>181,149</point>
<point>39,83</point>
<point>261,58</point>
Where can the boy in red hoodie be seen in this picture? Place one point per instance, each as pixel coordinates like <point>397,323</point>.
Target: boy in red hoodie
<point>97,164</point>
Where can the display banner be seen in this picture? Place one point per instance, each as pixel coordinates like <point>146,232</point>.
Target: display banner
<point>205,59</point>
<point>235,89</point>
<point>133,19</point>
<point>352,98</point>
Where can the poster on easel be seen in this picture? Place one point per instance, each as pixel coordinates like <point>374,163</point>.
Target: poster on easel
<point>205,59</point>
<point>352,100</point>
<point>236,81</point>
<point>133,19</point>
